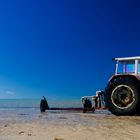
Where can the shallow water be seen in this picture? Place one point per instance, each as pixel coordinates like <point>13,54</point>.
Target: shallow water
<point>19,113</point>
<point>22,115</point>
<point>22,123</point>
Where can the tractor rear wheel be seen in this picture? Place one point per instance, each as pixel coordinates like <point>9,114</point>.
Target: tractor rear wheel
<point>123,98</point>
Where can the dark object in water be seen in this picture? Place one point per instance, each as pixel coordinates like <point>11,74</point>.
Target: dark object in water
<point>67,108</point>
<point>43,104</point>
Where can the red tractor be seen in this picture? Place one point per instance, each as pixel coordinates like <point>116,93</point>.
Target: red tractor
<point>123,90</point>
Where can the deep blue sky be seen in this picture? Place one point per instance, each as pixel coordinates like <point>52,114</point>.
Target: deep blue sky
<point>64,49</point>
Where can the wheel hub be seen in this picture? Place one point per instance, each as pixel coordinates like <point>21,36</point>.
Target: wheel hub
<point>122,96</point>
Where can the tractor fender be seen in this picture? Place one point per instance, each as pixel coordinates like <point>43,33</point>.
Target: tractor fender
<point>126,77</point>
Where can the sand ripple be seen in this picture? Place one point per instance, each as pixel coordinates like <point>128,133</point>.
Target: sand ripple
<point>100,125</point>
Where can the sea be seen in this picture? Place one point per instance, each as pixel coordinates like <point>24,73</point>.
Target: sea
<point>9,104</point>
<point>29,109</point>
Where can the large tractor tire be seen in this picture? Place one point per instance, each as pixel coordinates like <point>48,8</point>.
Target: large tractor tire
<point>123,97</point>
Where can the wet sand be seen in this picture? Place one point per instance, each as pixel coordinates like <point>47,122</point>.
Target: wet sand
<point>64,125</point>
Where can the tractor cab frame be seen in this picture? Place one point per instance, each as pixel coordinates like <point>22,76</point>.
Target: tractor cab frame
<point>127,65</point>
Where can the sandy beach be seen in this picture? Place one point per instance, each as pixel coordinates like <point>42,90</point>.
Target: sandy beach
<point>63,125</point>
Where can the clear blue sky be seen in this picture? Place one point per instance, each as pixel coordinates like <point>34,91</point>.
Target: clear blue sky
<point>64,49</point>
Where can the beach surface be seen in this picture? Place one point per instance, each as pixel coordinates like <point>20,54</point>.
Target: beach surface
<point>67,125</point>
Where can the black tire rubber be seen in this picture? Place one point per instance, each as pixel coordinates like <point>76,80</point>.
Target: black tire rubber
<point>93,109</point>
<point>42,105</point>
<point>122,111</point>
<point>87,103</point>
<point>87,106</point>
